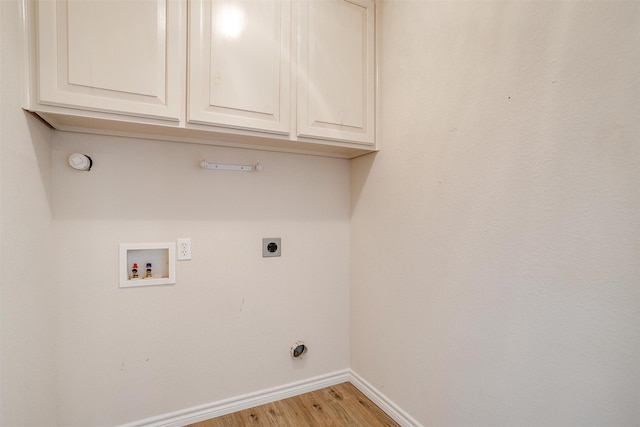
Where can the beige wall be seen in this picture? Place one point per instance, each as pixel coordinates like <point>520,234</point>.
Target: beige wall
<point>27,315</point>
<point>226,327</point>
<point>495,241</point>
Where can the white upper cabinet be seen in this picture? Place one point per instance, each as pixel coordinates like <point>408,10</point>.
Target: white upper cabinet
<point>121,57</point>
<point>287,75</point>
<point>336,70</point>
<point>239,64</point>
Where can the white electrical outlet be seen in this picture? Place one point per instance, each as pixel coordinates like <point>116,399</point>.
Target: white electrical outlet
<point>184,249</point>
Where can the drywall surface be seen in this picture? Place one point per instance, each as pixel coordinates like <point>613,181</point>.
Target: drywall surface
<point>226,327</point>
<point>495,241</point>
<point>27,317</point>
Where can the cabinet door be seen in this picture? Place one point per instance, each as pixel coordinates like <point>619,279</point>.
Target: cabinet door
<point>336,86</point>
<point>124,57</point>
<point>239,67</point>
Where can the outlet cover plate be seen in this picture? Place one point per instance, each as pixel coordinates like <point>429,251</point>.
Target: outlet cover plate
<point>184,249</point>
<point>271,246</point>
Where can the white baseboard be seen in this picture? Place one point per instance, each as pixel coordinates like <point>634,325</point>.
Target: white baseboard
<point>251,400</point>
<point>390,408</point>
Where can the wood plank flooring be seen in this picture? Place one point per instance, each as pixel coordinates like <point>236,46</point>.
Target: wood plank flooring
<point>338,405</point>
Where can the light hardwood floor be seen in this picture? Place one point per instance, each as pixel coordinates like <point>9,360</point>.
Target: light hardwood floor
<point>338,405</point>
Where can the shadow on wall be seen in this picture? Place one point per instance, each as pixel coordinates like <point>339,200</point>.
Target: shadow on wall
<point>360,169</point>
<point>40,133</point>
<point>134,178</point>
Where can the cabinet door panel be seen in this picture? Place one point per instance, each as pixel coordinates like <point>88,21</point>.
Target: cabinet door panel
<point>94,47</point>
<point>336,70</point>
<point>121,56</point>
<point>239,68</point>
